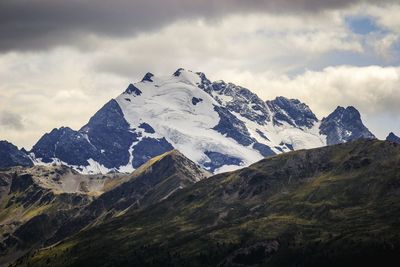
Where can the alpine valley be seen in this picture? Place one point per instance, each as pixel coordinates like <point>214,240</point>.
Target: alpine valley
<point>183,171</point>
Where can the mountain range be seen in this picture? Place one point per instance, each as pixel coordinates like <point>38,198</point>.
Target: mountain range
<point>218,125</point>
<point>182,171</point>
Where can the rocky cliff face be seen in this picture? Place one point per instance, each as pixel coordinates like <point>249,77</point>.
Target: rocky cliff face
<point>344,125</point>
<point>10,156</point>
<point>293,112</point>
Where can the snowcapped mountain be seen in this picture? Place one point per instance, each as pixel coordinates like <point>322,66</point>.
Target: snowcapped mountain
<point>218,125</point>
<point>393,138</point>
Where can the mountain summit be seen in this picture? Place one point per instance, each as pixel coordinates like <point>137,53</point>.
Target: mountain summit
<point>343,125</point>
<point>218,125</point>
<point>10,156</point>
<point>393,138</point>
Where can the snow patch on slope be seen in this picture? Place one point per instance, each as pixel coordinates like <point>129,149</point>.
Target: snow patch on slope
<point>93,166</point>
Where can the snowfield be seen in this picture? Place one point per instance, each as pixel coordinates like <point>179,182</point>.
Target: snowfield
<point>166,105</point>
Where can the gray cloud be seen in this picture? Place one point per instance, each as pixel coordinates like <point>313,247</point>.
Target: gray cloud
<point>40,24</point>
<point>11,120</point>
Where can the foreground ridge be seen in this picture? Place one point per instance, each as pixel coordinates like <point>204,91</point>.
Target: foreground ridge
<point>330,206</point>
<point>42,205</point>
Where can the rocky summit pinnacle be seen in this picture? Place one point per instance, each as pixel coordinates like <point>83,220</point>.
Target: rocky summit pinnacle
<point>343,125</point>
<point>218,125</point>
<point>10,156</point>
<point>393,138</point>
<point>147,77</point>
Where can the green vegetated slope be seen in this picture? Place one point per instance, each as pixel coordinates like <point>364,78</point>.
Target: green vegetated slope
<point>331,206</point>
<point>32,206</point>
<point>41,205</point>
<point>154,181</point>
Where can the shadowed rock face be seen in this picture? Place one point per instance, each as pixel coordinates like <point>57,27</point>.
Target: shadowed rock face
<point>243,101</point>
<point>106,139</point>
<point>293,112</point>
<point>343,125</point>
<point>11,156</point>
<point>230,126</point>
<point>65,144</point>
<point>393,138</point>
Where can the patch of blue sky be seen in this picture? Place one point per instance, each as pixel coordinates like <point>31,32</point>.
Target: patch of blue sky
<point>363,25</point>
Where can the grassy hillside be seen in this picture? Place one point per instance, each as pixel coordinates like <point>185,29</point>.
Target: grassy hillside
<point>32,207</point>
<point>154,181</point>
<point>44,204</point>
<point>331,206</point>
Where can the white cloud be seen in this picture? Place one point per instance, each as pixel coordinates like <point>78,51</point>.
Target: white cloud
<point>9,120</point>
<point>386,15</point>
<point>384,46</point>
<point>49,90</point>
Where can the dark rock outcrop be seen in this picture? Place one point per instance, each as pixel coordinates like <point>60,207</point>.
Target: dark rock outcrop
<point>106,139</point>
<point>393,138</point>
<point>343,125</point>
<point>11,156</point>
<point>292,111</point>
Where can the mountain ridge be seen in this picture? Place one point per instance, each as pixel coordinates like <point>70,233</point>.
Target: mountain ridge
<point>44,204</point>
<point>11,156</point>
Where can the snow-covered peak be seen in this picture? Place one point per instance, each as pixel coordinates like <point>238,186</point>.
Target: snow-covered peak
<point>185,115</point>
<point>187,76</point>
<point>218,125</point>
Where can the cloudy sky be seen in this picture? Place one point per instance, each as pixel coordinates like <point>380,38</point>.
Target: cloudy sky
<point>60,61</point>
